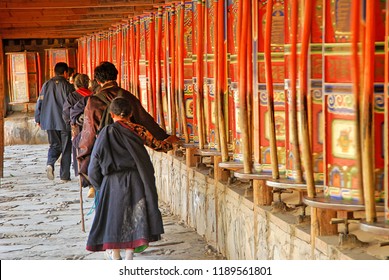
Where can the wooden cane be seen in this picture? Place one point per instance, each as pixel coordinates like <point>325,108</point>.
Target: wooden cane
<point>355,73</point>
<point>366,115</point>
<point>293,94</point>
<point>82,208</point>
<point>81,199</point>
<point>269,88</point>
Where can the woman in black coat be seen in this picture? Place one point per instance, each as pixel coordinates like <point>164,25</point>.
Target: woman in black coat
<point>127,216</point>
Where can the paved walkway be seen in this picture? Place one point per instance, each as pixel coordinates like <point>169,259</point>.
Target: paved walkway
<point>40,219</point>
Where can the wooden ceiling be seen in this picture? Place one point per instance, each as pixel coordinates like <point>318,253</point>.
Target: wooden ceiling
<point>33,19</point>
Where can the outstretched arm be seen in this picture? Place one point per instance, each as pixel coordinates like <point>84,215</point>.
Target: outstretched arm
<point>148,139</point>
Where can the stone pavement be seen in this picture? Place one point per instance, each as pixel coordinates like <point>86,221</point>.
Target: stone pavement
<point>40,219</point>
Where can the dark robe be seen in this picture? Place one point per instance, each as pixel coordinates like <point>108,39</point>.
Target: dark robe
<point>70,108</point>
<point>127,215</point>
<point>71,101</point>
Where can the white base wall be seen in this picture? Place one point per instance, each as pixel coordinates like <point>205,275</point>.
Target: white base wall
<point>229,220</point>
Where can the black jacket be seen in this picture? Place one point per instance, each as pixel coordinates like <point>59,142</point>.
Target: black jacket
<point>48,111</point>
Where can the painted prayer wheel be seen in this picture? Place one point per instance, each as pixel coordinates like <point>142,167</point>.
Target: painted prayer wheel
<point>189,102</point>
<point>197,60</point>
<point>342,179</point>
<point>261,110</point>
<point>209,82</point>
<point>234,132</point>
<point>332,108</point>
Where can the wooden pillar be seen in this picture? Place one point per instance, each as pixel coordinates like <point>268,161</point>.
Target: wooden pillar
<point>220,174</point>
<point>324,218</point>
<point>191,159</point>
<point>2,111</point>
<point>262,193</point>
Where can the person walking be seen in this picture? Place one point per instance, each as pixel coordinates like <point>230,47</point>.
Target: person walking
<point>72,110</point>
<point>127,215</point>
<point>96,116</point>
<point>48,116</point>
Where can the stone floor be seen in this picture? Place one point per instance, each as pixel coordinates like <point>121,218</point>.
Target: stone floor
<point>40,219</point>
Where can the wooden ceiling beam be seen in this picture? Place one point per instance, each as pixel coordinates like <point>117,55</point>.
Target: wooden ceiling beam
<point>46,4</point>
<point>20,19</point>
<point>46,25</point>
<point>43,35</point>
<point>54,19</point>
<point>74,11</point>
<point>81,28</point>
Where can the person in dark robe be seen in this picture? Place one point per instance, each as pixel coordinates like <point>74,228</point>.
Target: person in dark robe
<point>71,112</point>
<point>48,116</point>
<point>95,116</point>
<point>127,215</point>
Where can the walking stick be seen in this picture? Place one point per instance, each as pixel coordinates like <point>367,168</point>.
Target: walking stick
<point>269,88</point>
<point>81,200</point>
<point>82,207</point>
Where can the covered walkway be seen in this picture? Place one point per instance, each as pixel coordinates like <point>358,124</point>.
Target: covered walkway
<point>40,219</point>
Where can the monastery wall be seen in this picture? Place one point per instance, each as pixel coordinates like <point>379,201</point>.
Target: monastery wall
<point>227,217</point>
